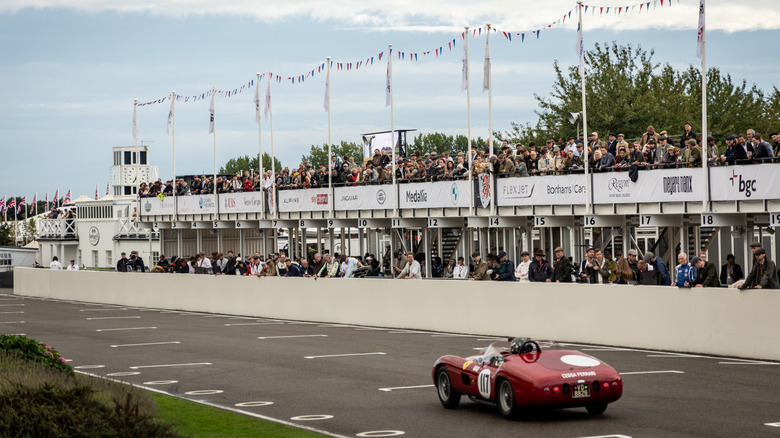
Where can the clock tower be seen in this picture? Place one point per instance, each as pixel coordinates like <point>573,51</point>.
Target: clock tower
<point>131,168</point>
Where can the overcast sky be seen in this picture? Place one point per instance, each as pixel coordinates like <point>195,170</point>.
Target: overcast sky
<point>71,70</point>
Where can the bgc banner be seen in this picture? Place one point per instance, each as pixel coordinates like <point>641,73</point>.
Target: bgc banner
<point>195,204</point>
<point>542,190</point>
<point>376,197</point>
<point>441,194</point>
<point>154,206</point>
<point>303,200</point>
<point>247,202</point>
<point>659,185</point>
<point>744,183</point>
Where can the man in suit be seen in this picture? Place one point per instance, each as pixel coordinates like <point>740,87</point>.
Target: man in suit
<point>730,272</point>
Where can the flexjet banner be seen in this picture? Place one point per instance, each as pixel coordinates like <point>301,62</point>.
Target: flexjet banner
<point>303,200</point>
<point>659,185</point>
<point>744,183</point>
<point>195,204</point>
<point>442,194</point>
<point>541,190</point>
<point>242,202</point>
<point>374,197</point>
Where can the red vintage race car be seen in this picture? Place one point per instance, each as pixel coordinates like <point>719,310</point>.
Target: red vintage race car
<point>517,375</point>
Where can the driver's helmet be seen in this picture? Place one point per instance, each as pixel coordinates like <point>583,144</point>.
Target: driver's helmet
<point>519,346</point>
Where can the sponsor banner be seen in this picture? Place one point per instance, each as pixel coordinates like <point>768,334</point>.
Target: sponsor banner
<point>659,185</point>
<point>195,204</point>
<point>743,183</point>
<point>542,190</point>
<point>246,202</point>
<point>271,201</point>
<point>374,197</point>
<point>154,206</point>
<point>441,194</point>
<point>303,200</point>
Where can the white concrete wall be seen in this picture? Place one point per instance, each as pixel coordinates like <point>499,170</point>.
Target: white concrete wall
<point>705,321</point>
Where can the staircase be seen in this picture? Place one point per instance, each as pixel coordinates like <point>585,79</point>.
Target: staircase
<point>450,241</point>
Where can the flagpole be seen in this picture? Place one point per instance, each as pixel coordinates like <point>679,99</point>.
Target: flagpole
<point>271,128</point>
<point>330,152</point>
<point>705,206</point>
<point>214,122</point>
<point>490,127</point>
<point>468,124</point>
<point>589,186</point>
<point>173,142</point>
<point>392,128</point>
<point>259,140</point>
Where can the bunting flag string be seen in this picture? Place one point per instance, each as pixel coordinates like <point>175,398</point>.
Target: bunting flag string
<point>437,52</point>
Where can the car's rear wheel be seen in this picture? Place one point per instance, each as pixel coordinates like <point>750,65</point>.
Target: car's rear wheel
<point>448,397</point>
<point>596,408</point>
<point>506,400</point>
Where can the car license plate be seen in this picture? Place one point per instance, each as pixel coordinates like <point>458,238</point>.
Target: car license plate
<point>580,390</point>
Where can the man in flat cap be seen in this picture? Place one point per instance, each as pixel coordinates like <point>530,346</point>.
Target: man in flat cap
<point>562,267</point>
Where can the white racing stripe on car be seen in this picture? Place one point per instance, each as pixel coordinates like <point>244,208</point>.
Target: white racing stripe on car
<point>405,387</point>
<point>653,372</point>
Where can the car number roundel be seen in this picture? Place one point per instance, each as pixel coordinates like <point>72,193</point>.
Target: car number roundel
<point>483,383</point>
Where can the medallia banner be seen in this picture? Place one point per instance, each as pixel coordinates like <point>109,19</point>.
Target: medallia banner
<point>542,190</point>
<point>745,183</point>
<point>244,202</point>
<point>441,194</point>
<point>303,200</point>
<point>195,204</point>
<point>657,185</point>
<point>374,197</point>
<point>154,206</point>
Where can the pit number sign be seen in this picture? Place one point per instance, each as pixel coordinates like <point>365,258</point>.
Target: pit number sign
<point>774,219</point>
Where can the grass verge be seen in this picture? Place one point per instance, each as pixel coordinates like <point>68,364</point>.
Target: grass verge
<point>193,419</point>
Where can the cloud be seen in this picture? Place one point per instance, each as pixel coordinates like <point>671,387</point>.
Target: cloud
<point>441,15</point>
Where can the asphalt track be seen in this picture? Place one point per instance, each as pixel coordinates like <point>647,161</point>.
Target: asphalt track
<point>352,381</point>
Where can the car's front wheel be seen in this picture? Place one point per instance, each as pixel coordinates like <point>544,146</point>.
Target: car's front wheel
<point>596,408</point>
<point>506,400</point>
<point>449,398</point>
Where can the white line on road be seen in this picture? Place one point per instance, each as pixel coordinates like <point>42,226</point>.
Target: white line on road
<point>405,387</point>
<point>606,349</point>
<point>145,344</point>
<point>451,335</point>
<point>8,313</point>
<point>11,305</point>
<point>254,323</point>
<point>344,355</point>
<point>654,372</point>
<point>11,322</point>
<point>113,317</point>
<point>138,367</point>
<point>102,310</point>
<point>293,336</point>
<point>749,363</point>
<point>673,355</point>
<point>124,328</point>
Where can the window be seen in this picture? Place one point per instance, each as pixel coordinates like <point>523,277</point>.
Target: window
<point>5,259</point>
<point>127,157</point>
<point>109,258</point>
<point>142,159</point>
<point>117,158</point>
<point>128,190</point>
<point>135,157</point>
<point>155,258</point>
<point>95,261</point>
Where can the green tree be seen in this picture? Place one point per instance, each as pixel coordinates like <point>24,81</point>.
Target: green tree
<point>6,234</point>
<point>240,164</point>
<point>29,230</point>
<point>439,142</point>
<point>318,155</point>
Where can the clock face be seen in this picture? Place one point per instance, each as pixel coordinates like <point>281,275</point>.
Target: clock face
<point>114,175</point>
<point>143,175</point>
<point>130,174</point>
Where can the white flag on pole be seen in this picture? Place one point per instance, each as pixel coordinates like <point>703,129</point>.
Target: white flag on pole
<point>257,102</point>
<point>700,40</point>
<point>135,122</point>
<point>170,116</point>
<point>486,68</point>
<point>327,92</point>
<point>580,49</point>
<point>464,83</point>
<point>211,111</point>
<point>268,100</point>
<point>387,83</point>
